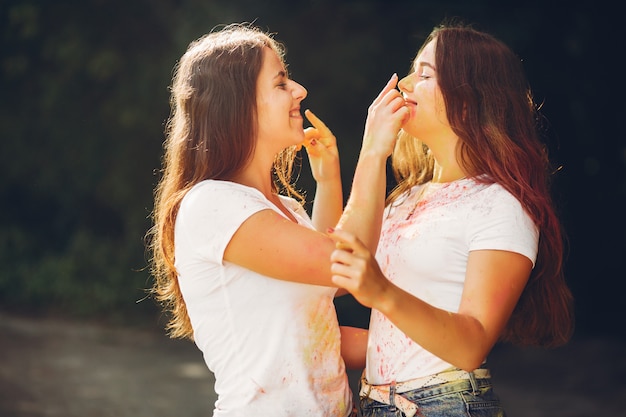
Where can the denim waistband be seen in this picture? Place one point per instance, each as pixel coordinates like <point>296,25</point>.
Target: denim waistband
<point>387,394</point>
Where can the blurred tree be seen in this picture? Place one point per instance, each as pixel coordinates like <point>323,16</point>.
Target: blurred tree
<point>84,99</point>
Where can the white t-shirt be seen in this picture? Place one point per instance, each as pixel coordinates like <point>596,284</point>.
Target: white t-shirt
<point>424,248</point>
<point>273,345</point>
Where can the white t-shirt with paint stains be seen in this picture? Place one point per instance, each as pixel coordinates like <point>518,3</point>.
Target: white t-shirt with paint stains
<point>274,346</point>
<point>424,248</point>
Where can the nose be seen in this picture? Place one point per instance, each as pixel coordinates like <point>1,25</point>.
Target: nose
<point>298,91</point>
<point>405,84</point>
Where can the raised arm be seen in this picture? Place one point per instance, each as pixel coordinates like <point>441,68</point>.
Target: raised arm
<point>272,245</point>
<point>321,147</point>
<point>363,213</point>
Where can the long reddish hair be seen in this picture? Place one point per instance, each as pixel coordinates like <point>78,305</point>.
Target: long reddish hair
<point>491,109</point>
<point>211,134</point>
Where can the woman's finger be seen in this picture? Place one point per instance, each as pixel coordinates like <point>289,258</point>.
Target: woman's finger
<point>342,255</point>
<point>342,282</point>
<point>310,133</point>
<point>391,85</point>
<point>317,123</point>
<point>343,239</point>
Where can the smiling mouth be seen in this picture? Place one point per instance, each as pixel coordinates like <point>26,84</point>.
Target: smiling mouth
<point>410,102</point>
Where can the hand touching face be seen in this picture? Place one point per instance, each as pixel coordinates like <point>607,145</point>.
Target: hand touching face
<point>385,116</point>
<point>423,97</point>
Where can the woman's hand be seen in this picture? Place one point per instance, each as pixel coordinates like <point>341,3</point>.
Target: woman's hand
<point>321,147</point>
<point>385,117</point>
<point>354,268</point>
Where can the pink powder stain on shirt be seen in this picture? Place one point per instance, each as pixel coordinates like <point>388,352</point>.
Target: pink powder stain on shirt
<point>442,195</point>
<point>404,221</point>
<point>383,367</point>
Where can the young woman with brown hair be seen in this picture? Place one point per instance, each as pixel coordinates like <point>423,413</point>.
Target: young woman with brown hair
<point>238,263</point>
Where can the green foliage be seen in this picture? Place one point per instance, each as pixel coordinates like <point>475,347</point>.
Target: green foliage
<point>84,99</point>
<point>85,278</point>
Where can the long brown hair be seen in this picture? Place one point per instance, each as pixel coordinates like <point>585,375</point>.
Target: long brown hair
<point>211,134</point>
<point>490,108</point>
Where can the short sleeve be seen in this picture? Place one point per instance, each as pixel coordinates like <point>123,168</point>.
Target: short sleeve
<point>210,214</point>
<point>499,222</point>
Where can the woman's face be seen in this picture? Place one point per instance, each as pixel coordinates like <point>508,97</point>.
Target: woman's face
<point>278,104</point>
<point>423,98</point>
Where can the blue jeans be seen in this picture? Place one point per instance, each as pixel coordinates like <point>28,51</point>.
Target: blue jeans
<point>462,398</point>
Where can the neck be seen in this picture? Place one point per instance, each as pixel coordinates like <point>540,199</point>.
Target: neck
<point>447,174</point>
<point>446,158</point>
<point>256,176</point>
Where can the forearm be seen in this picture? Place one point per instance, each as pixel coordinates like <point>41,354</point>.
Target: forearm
<point>364,209</point>
<point>353,346</point>
<point>328,204</point>
<point>456,338</point>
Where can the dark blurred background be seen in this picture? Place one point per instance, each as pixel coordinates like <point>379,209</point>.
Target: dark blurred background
<point>84,98</point>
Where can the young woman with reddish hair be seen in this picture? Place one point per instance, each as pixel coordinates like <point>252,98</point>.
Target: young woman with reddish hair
<point>471,249</point>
